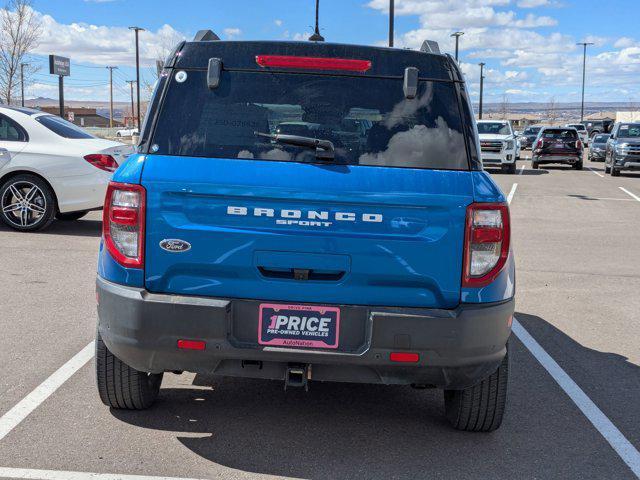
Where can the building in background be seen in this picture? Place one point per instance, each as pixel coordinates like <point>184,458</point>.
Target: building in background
<point>83,116</point>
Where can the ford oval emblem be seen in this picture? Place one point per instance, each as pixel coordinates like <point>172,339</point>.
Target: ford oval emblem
<point>175,245</point>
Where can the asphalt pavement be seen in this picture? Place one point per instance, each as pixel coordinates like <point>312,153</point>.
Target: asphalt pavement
<point>576,237</point>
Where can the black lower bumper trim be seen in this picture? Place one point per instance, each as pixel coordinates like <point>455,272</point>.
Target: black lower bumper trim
<point>457,348</point>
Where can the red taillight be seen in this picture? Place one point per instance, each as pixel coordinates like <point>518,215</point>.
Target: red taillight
<point>539,144</point>
<point>486,245</point>
<point>578,144</point>
<point>123,223</point>
<point>103,162</point>
<point>404,357</point>
<point>191,345</point>
<point>313,63</point>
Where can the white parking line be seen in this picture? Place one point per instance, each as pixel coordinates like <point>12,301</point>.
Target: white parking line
<point>629,193</point>
<point>521,169</point>
<point>607,429</point>
<point>512,193</point>
<point>597,173</point>
<point>627,452</point>
<point>28,404</point>
<point>62,475</point>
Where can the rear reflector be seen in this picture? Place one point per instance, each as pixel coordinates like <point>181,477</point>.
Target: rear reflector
<point>313,63</point>
<point>191,344</point>
<point>404,357</point>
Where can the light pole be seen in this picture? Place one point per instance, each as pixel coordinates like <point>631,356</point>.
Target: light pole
<point>482,64</point>
<point>457,35</point>
<point>111,96</point>
<point>316,37</point>
<point>392,8</point>
<point>584,70</point>
<point>22,82</point>
<point>137,30</point>
<point>131,82</point>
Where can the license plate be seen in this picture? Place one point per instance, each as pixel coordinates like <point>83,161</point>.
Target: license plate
<point>298,326</point>
<point>559,145</point>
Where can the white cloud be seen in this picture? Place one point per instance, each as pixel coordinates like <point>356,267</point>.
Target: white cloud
<point>624,42</point>
<point>232,33</point>
<point>300,37</point>
<point>533,3</point>
<point>278,22</point>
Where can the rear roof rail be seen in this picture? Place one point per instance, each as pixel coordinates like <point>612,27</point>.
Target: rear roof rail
<point>430,46</point>
<point>205,36</point>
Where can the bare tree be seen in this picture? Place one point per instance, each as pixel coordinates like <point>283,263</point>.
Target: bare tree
<point>20,31</point>
<point>167,42</point>
<point>552,110</point>
<point>504,106</point>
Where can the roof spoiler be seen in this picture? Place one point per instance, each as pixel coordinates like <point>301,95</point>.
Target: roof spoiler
<point>430,46</point>
<point>205,36</point>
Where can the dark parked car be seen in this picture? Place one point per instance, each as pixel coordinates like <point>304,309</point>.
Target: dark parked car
<point>594,127</point>
<point>529,136</point>
<point>598,147</point>
<point>623,149</point>
<point>558,145</point>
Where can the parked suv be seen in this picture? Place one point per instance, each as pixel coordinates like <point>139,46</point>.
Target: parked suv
<point>598,147</point>
<point>558,145</point>
<point>233,250</point>
<point>498,144</point>
<point>595,127</point>
<point>623,149</point>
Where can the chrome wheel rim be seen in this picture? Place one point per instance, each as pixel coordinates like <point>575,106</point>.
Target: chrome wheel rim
<point>23,204</point>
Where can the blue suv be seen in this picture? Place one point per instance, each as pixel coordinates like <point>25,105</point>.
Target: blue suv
<point>306,212</point>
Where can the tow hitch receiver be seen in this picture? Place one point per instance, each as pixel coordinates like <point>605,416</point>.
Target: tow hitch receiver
<point>297,375</point>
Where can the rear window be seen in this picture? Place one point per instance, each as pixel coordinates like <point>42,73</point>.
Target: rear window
<point>496,128</point>
<point>531,130</point>
<point>600,139</point>
<point>558,133</point>
<point>368,120</point>
<point>63,128</point>
<point>578,127</point>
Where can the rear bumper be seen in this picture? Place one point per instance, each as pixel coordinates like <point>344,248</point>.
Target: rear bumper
<point>457,348</point>
<point>568,159</point>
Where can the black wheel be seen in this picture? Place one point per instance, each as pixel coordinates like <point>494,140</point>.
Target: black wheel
<point>607,169</point>
<point>118,134</point>
<point>27,203</point>
<point>577,166</point>
<point>615,172</point>
<point>479,408</point>
<point>121,386</point>
<point>511,168</point>
<point>535,165</point>
<point>71,216</point>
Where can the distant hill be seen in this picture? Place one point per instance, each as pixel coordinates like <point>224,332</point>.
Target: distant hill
<point>50,102</point>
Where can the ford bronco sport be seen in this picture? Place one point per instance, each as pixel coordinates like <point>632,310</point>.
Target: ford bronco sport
<point>307,212</point>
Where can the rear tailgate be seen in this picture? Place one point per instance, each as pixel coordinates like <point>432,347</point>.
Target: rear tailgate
<point>297,232</point>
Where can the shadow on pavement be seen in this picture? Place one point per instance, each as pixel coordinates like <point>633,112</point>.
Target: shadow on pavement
<point>534,172</point>
<point>78,228</point>
<point>368,431</point>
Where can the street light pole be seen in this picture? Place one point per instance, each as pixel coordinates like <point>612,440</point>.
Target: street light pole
<point>584,71</point>
<point>22,82</point>
<point>457,35</point>
<point>482,64</point>
<point>131,82</point>
<point>137,30</point>
<point>392,8</point>
<point>316,37</point>
<point>111,96</point>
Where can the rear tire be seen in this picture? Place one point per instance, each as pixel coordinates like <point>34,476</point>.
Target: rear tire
<point>607,169</point>
<point>511,168</point>
<point>535,165</point>
<point>36,196</point>
<point>479,408</point>
<point>71,216</point>
<point>121,386</point>
<point>577,166</point>
<point>615,172</point>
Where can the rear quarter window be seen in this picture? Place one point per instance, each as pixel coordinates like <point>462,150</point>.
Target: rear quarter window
<point>61,127</point>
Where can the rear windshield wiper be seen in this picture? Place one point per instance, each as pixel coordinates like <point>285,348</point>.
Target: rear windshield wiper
<point>324,148</point>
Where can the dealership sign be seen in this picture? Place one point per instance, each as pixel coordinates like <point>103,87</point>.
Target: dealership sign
<point>60,66</point>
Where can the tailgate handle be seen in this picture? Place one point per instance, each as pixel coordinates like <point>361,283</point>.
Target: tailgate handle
<point>301,274</point>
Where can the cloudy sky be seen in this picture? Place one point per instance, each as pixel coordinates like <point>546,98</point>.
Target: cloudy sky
<point>529,45</point>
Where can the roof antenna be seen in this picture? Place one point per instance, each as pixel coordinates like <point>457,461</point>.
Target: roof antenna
<point>316,37</point>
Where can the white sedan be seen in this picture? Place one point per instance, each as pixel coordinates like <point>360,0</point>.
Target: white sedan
<point>50,168</point>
